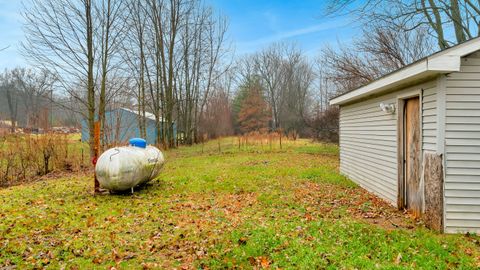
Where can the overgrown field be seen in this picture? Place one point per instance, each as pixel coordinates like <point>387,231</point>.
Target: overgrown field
<point>29,157</point>
<point>253,207</point>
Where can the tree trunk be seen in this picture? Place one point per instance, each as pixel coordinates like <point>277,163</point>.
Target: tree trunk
<point>90,80</point>
<point>12,108</point>
<point>105,55</point>
<point>141,101</point>
<point>436,24</point>
<point>457,21</point>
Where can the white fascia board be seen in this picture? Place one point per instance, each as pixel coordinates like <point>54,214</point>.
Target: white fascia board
<point>388,81</point>
<point>444,63</point>
<point>461,50</point>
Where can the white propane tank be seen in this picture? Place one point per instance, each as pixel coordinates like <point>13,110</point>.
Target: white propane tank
<point>122,168</point>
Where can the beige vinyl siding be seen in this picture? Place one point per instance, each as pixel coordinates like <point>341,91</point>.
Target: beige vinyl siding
<point>462,147</point>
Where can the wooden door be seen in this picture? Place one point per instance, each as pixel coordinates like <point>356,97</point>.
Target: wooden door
<point>412,154</point>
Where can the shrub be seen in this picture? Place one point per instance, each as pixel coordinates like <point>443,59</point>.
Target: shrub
<point>24,158</point>
<point>325,125</point>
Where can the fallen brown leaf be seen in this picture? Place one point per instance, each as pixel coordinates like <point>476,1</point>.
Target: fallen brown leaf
<point>398,260</point>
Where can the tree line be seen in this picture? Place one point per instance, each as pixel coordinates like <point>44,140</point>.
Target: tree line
<point>393,34</point>
<point>164,56</point>
<point>173,58</point>
<point>26,96</point>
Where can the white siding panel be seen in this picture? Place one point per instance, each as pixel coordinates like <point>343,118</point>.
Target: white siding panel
<point>465,202</point>
<point>463,127</point>
<point>464,134</point>
<point>464,112</point>
<point>429,119</point>
<point>368,146</point>
<point>462,142</point>
<point>463,186</point>
<point>461,215</point>
<point>464,170</point>
<point>455,208</point>
<point>463,156</point>
<point>462,146</point>
<point>473,179</point>
<point>368,141</point>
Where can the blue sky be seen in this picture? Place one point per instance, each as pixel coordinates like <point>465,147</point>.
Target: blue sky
<point>10,34</point>
<point>253,25</point>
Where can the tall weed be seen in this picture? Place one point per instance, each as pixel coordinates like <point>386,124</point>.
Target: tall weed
<point>25,158</point>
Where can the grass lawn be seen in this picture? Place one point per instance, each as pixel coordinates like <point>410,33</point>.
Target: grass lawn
<point>241,208</point>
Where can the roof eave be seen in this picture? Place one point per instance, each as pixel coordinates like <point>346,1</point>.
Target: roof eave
<point>436,64</point>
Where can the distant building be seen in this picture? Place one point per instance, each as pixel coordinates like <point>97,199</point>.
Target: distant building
<point>122,124</point>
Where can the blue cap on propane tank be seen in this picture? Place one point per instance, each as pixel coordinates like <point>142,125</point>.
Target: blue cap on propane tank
<point>138,142</point>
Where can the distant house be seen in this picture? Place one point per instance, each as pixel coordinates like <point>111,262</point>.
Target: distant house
<point>413,137</point>
<point>122,124</point>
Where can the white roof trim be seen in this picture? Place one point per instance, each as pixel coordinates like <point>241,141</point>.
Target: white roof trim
<point>445,61</point>
<point>148,115</point>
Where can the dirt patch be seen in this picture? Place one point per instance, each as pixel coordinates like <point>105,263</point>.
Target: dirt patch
<point>332,201</point>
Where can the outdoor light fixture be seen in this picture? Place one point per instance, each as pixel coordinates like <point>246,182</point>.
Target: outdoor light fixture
<point>387,108</point>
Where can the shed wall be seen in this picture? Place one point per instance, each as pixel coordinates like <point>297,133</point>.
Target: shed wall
<point>121,125</point>
<point>429,119</point>
<point>462,147</point>
<point>368,140</point>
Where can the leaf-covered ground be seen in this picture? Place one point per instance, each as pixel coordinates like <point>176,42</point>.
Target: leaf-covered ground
<point>254,207</point>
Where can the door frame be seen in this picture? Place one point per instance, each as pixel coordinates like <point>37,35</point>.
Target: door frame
<point>401,98</point>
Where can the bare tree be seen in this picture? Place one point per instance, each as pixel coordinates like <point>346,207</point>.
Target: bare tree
<point>80,43</point>
<point>8,87</point>
<point>461,17</point>
<point>380,51</point>
<point>190,67</point>
<point>199,65</point>
<point>112,24</point>
<point>216,28</point>
<point>165,54</point>
<point>166,17</point>
<point>59,37</point>
<point>217,119</point>
<point>287,79</point>
<point>270,68</point>
<point>135,57</point>
<point>296,90</point>
<point>36,88</point>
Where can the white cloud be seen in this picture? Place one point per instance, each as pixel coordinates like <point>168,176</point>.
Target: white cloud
<point>252,45</point>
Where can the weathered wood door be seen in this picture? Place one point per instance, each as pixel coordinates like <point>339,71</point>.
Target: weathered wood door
<point>412,154</point>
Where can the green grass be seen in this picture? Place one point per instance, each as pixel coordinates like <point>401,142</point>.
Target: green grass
<point>253,207</point>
